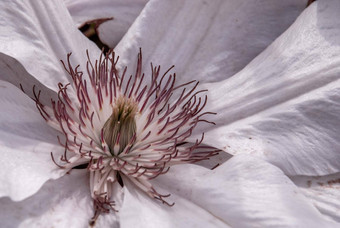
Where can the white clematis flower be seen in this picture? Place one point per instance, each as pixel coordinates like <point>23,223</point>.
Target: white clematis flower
<point>201,40</point>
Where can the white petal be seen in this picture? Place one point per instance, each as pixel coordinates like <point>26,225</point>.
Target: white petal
<point>206,40</point>
<point>12,71</point>
<point>124,12</point>
<point>39,34</point>
<point>25,145</point>
<point>139,210</point>
<point>323,192</point>
<point>244,192</point>
<point>285,105</point>
<point>60,203</point>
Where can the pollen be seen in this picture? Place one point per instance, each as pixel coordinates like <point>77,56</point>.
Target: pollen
<point>125,127</point>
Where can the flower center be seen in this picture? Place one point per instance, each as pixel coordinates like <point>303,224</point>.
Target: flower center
<point>120,128</point>
<point>124,128</point>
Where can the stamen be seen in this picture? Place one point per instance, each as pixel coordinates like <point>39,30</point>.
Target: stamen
<point>125,130</point>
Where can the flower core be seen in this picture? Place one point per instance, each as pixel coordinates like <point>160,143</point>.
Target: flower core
<point>124,128</point>
<point>121,126</point>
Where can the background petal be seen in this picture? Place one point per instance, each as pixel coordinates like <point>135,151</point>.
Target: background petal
<point>60,203</point>
<point>206,40</point>
<point>124,12</point>
<point>38,34</point>
<point>285,105</point>
<point>25,146</point>
<point>244,192</point>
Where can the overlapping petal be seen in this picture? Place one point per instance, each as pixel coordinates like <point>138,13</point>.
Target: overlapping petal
<point>61,203</point>
<point>243,192</point>
<point>13,72</point>
<point>122,12</point>
<point>25,146</point>
<point>206,40</point>
<point>323,192</point>
<point>155,214</point>
<point>285,105</point>
<point>38,34</point>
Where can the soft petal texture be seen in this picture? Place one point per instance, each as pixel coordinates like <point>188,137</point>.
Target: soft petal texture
<point>139,210</point>
<point>206,40</point>
<point>124,12</point>
<point>25,146</point>
<point>38,34</point>
<point>60,203</point>
<point>243,192</point>
<point>214,161</point>
<point>13,72</point>
<point>284,106</point>
<point>323,191</point>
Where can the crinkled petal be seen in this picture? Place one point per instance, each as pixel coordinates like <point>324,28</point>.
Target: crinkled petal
<point>60,203</point>
<point>25,146</point>
<point>323,192</point>
<point>38,34</point>
<point>122,12</point>
<point>139,210</point>
<point>206,40</point>
<point>243,192</point>
<point>285,105</point>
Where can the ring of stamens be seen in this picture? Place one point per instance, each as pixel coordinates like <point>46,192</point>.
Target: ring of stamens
<point>124,128</point>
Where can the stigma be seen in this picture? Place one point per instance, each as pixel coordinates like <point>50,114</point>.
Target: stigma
<point>125,127</point>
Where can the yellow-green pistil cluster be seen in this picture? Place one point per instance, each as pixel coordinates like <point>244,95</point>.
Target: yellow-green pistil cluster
<point>121,126</point>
